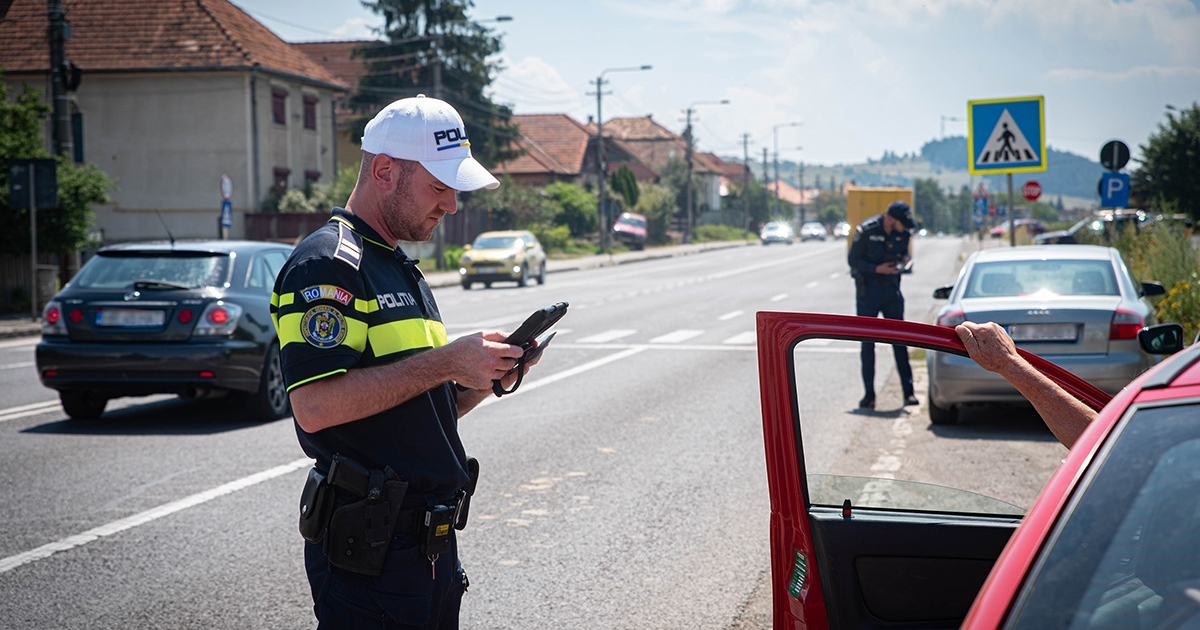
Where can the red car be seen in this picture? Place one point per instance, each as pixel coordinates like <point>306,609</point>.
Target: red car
<point>1111,542</point>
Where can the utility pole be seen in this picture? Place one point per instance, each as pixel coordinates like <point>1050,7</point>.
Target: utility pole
<point>57,34</point>
<point>802,209</point>
<point>687,135</point>
<point>766,172</point>
<point>746,181</point>
<point>601,167</point>
<point>775,131</point>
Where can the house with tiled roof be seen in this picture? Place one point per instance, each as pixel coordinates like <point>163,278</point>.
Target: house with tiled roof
<point>655,146</point>
<point>174,95</point>
<point>558,148</point>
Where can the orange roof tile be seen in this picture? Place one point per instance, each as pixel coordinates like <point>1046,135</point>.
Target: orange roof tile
<point>553,143</point>
<point>139,35</point>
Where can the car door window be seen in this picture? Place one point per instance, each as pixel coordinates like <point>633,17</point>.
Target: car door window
<point>1127,554</point>
<point>265,268</point>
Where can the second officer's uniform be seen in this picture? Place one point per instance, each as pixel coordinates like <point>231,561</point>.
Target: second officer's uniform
<point>879,293</point>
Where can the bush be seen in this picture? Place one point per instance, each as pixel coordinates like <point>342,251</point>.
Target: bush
<point>1166,255</point>
<point>707,233</point>
<point>450,256</point>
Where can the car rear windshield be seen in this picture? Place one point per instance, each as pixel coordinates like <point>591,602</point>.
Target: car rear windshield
<point>1057,277</point>
<point>121,270</point>
<point>497,242</point>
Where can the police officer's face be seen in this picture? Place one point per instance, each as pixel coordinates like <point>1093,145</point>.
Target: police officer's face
<point>892,224</point>
<point>415,206</point>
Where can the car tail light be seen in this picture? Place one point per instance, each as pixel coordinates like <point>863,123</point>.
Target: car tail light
<point>76,315</point>
<point>219,319</point>
<point>52,319</point>
<point>185,316</point>
<point>952,319</point>
<point>1125,325</point>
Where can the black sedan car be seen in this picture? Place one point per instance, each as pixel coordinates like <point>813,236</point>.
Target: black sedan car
<point>186,318</point>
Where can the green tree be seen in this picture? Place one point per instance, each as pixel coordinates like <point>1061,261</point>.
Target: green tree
<point>830,205</point>
<point>1170,161</point>
<point>625,184</point>
<point>62,230</point>
<point>514,207</point>
<point>434,48</point>
<point>577,207</point>
<point>932,208</point>
<point>657,204</point>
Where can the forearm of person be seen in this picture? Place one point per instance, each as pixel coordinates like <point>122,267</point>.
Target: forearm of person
<point>363,392</point>
<point>1064,415</point>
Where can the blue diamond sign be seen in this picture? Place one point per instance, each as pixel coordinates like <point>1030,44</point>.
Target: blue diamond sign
<point>1006,135</point>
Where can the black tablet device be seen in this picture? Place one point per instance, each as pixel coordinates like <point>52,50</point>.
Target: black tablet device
<point>536,324</point>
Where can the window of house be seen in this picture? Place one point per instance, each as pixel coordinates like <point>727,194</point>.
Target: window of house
<point>279,106</point>
<point>310,112</point>
<point>281,179</point>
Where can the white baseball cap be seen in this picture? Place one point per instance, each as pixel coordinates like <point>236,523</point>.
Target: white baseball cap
<point>429,131</point>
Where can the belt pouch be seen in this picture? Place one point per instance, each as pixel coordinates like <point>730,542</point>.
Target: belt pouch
<point>316,501</point>
<point>360,531</point>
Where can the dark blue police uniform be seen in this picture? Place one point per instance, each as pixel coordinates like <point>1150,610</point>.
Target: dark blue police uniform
<point>877,293</point>
<point>345,300</point>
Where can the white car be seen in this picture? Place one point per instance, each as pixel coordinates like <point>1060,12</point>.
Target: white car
<point>813,231</point>
<point>1076,306</point>
<point>776,232</point>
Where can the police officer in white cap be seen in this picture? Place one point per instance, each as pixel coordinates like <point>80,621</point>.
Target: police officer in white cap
<point>878,255</point>
<point>377,388</point>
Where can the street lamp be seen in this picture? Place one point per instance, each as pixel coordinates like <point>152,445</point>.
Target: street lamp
<point>601,170</point>
<point>687,135</point>
<point>775,131</point>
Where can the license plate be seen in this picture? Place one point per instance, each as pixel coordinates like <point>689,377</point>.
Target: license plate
<point>486,269</point>
<point>1043,332</point>
<point>129,317</point>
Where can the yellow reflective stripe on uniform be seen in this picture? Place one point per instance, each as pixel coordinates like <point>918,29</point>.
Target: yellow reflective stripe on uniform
<point>290,331</point>
<point>406,334</point>
<point>316,378</point>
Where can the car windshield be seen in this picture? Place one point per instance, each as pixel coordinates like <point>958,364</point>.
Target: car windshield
<point>632,221</point>
<point>122,270</point>
<point>497,242</point>
<point>1125,556</point>
<point>1051,277</point>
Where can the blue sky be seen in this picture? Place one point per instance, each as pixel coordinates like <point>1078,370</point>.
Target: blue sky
<point>861,76</point>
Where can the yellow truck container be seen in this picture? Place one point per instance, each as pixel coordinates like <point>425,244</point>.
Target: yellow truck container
<point>864,202</point>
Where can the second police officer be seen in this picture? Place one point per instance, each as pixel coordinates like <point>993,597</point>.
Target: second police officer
<point>878,255</point>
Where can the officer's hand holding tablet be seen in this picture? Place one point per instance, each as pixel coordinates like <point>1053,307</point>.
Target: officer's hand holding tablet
<point>533,336</point>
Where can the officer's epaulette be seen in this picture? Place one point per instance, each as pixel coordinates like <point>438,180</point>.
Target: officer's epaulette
<point>349,249</point>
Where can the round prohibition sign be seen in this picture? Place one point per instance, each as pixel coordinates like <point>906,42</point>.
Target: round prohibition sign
<point>1031,190</point>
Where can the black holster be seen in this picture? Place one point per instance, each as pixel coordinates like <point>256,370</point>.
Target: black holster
<point>362,515</point>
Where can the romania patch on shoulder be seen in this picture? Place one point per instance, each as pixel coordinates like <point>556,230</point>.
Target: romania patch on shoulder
<point>323,327</point>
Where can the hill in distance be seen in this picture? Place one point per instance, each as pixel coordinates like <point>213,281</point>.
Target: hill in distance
<point>1068,176</point>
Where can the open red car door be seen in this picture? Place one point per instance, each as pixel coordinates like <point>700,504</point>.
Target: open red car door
<point>863,552</point>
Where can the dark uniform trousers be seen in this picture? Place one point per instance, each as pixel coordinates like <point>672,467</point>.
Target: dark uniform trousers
<point>882,295</point>
<point>404,597</point>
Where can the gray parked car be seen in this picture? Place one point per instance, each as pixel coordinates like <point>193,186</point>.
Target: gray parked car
<point>1077,306</point>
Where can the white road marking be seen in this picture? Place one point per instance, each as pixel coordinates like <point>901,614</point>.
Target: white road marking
<point>14,366</point>
<point>779,298</point>
<point>24,411</point>
<point>166,509</point>
<point>730,315</point>
<point>558,376</point>
<point>812,284</point>
<point>607,336</point>
<point>678,336</point>
<point>748,337</point>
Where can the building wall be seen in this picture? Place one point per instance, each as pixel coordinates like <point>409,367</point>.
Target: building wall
<point>167,138</point>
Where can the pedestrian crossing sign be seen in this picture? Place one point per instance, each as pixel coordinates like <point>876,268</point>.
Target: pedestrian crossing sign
<point>1006,135</point>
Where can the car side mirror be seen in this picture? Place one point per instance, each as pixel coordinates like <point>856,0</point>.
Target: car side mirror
<point>942,293</point>
<point>1150,289</point>
<point>1161,339</point>
<point>467,247</point>
<point>528,245</point>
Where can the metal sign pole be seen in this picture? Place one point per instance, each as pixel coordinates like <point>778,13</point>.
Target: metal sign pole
<point>1012,215</point>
